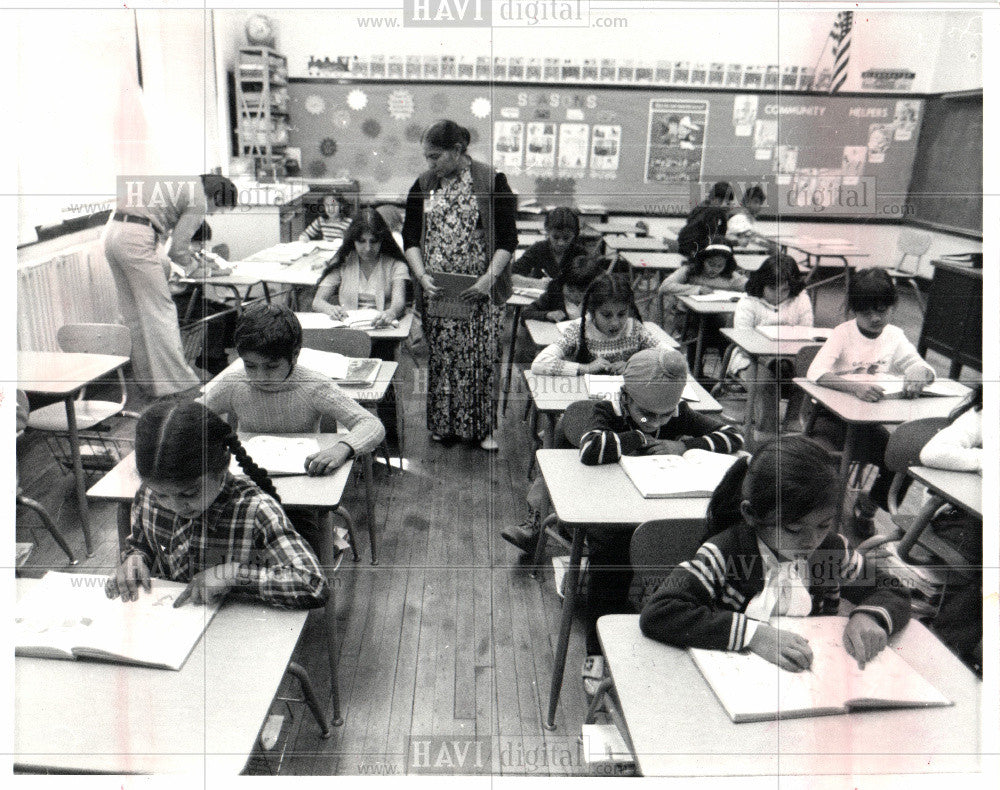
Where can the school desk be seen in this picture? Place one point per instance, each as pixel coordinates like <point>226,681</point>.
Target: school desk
<point>701,310</point>
<point>525,240</point>
<point>612,225</point>
<point>816,250</point>
<point>552,395</point>
<point>679,728</point>
<point>964,490</point>
<point>545,333</point>
<point>518,302</point>
<point>396,333</point>
<point>635,244</point>
<point>63,375</point>
<point>652,265</point>
<point>857,415</point>
<point>595,496</point>
<point>91,716</point>
<point>757,346</point>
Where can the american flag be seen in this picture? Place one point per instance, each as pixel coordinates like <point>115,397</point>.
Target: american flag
<point>841,35</point>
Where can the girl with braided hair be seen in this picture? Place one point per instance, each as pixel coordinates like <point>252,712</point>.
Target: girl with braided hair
<point>193,521</point>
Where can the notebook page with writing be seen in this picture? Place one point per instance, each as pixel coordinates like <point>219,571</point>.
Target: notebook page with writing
<point>753,689</point>
<point>696,473</point>
<point>279,455</point>
<point>73,612</point>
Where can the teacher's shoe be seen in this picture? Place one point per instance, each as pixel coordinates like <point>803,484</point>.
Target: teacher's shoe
<point>490,443</point>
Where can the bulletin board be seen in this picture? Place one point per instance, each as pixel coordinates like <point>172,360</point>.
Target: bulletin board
<point>646,151</point>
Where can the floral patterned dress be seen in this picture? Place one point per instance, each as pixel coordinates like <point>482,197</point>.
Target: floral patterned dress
<point>464,352</point>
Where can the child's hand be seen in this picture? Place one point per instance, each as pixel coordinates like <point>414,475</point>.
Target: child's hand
<point>868,391</point>
<point>209,586</point>
<point>336,312</point>
<point>128,577</point>
<point>617,368</point>
<point>664,447</point>
<point>703,289</point>
<point>385,318</point>
<point>599,365</point>
<point>914,382</point>
<point>555,316</point>
<point>864,638</point>
<point>327,461</point>
<point>784,648</point>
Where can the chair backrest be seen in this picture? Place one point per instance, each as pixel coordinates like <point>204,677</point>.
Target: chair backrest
<point>95,339</point>
<point>349,342</point>
<point>804,358</point>
<point>906,442</point>
<point>657,547</point>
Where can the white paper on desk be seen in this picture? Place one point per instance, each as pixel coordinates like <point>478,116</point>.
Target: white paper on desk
<point>68,615</point>
<point>789,332</point>
<point>343,370</point>
<point>717,296</point>
<point>892,385</point>
<point>355,318</point>
<point>696,473</point>
<point>283,253</point>
<point>607,387</point>
<point>279,455</point>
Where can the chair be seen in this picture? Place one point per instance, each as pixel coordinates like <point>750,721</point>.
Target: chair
<point>912,244</point>
<point>87,339</point>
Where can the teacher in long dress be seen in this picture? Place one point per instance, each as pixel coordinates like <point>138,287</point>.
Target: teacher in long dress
<point>460,219</point>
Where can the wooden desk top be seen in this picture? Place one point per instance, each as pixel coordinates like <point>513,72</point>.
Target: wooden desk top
<point>318,320</point>
<point>61,373</point>
<point>605,495</point>
<point>962,489</point>
<point>892,411</point>
<point>678,727</point>
<point>121,483</point>
<point>721,307</point>
<point>757,345</point>
<point>320,362</point>
<point>664,261</point>
<point>90,716</point>
<point>553,394</point>
<point>635,243</point>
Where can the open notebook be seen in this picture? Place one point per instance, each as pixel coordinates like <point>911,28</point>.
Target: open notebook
<point>346,371</point>
<point>279,455</point>
<point>892,385</point>
<point>786,332</point>
<point>363,318</point>
<point>696,473</point>
<point>68,616</point>
<point>753,689</point>
<point>602,386</point>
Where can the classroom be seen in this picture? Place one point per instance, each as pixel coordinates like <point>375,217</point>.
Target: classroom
<point>504,389</point>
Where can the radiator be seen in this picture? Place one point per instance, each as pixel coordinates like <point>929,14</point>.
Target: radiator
<point>72,287</point>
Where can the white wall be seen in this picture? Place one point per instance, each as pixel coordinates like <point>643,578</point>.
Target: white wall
<point>921,40</point>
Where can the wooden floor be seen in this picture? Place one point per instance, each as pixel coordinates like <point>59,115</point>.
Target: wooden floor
<point>447,640</point>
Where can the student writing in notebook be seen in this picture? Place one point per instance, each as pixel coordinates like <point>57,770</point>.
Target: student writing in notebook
<point>871,347</point>
<point>772,548</point>
<point>549,258</point>
<point>775,295</point>
<point>607,333</point>
<point>193,521</point>
<point>563,297</point>
<point>368,271</point>
<point>711,269</point>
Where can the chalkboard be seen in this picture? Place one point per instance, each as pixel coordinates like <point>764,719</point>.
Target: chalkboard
<point>643,150</point>
<point>947,186</point>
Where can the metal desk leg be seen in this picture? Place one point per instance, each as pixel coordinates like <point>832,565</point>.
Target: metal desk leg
<point>569,604</point>
<point>515,325</point>
<point>850,442</point>
<point>920,523</point>
<point>81,485</point>
<point>370,503</point>
<point>699,347</point>
<point>750,417</point>
<point>327,559</point>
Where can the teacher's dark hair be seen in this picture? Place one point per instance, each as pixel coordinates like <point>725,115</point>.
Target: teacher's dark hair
<point>447,134</point>
<point>219,190</point>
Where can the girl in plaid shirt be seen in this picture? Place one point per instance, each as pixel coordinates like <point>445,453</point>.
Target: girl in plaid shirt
<point>193,521</point>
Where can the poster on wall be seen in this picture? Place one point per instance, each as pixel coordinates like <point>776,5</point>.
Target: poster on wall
<point>765,138</point>
<point>675,142</point>
<point>540,146</point>
<point>508,151</point>
<point>573,143</point>
<point>786,159</point>
<point>744,115</point>
<point>853,163</point>
<point>605,149</point>
<point>907,116</point>
<point>879,139</point>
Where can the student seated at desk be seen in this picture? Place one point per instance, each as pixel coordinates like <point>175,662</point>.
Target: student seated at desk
<point>775,294</point>
<point>368,271</point>
<point>563,297</point>
<point>195,522</point>
<point>609,331</point>
<point>651,418</point>
<point>959,447</point>
<point>332,221</point>
<point>869,345</point>
<point>550,258</point>
<point>772,548</point>
<point>740,229</point>
<point>711,269</point>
